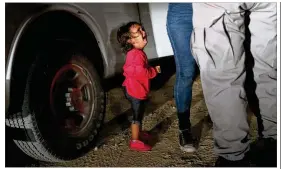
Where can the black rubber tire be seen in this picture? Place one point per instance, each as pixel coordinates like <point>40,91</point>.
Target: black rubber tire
<point>35,129</point>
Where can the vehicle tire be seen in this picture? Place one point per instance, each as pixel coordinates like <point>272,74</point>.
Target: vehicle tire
<point>63,107</point>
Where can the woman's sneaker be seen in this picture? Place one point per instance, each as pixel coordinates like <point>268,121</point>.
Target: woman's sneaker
<point>186,141</point>
<point>138,145</point>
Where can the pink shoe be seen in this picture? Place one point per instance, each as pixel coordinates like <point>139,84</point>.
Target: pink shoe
<point>138,145</point>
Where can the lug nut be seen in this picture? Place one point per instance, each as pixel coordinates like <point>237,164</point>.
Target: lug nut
<point>67,94</point>
<point>68,104</point>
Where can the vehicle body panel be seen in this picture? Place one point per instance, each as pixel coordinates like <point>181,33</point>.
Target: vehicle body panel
<point>158,13</point>
<point>102,18</point>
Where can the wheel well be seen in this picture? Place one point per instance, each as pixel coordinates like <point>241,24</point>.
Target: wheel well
<point>53,25</point>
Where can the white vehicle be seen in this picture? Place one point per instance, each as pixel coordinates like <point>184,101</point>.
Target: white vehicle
<point>57,55</point>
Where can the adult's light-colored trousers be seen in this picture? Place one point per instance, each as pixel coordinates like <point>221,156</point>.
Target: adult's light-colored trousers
<point>217,46</point>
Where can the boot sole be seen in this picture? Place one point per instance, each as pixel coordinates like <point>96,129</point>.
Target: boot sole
<point>189,149</point>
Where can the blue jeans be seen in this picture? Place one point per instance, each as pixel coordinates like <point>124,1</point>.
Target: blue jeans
<point>179,28</point>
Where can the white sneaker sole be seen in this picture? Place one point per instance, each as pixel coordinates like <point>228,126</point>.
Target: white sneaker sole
<point>188,149</point>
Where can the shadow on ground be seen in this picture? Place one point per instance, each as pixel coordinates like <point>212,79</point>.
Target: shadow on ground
<point>14,157</point>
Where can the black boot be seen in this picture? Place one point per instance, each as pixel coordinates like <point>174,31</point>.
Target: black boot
<point>222,162</point>
<point>264,152</point>
<point>185,135</point>
<point>186,141</point>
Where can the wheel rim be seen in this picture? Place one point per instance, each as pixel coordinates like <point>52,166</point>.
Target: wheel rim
<point>72,98</point>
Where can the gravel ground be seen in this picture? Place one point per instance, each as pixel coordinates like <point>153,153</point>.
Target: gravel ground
<point>160,119</point>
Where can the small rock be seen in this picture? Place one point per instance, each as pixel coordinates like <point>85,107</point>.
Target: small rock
<point>166,156</point>
<point>121,144</point>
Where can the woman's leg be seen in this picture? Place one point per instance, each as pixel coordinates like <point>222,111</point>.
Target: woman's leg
<point>179,28</point>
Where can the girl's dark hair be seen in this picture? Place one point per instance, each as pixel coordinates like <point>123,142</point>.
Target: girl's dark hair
<point>123,35</point>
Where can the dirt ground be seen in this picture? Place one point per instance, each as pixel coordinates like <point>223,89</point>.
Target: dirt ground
<point>161,120</point>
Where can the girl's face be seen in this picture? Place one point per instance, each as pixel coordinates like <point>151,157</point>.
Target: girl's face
<point>138,37</point>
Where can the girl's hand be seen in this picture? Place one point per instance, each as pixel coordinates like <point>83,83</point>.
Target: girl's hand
<point>158,69</point>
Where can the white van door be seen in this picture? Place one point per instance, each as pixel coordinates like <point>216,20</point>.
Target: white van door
<point>153,17</point>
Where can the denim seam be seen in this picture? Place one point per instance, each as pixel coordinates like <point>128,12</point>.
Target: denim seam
<point>175,53</point>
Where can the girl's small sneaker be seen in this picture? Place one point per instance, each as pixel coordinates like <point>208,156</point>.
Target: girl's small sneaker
<point>138,145</point>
